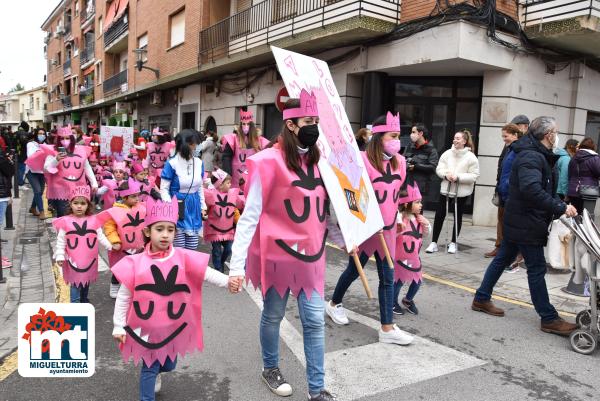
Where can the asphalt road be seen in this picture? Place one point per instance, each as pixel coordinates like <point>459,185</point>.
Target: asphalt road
<point>457,355</point>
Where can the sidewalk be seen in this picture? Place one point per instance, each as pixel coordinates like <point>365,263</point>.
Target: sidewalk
<point>30,279</point>
<point>468,267</point>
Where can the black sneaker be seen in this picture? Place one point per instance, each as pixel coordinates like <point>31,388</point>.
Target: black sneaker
<point>324,395</point>
<point>398,310</point>
<point>410,306</point>
<point>276,383</point>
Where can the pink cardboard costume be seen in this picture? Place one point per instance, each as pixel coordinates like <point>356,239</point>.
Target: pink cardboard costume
<point>158,156</point>
<point>221,207</point>
<point>408,243</point>
<point>288,248</point>
<point>69,173</point>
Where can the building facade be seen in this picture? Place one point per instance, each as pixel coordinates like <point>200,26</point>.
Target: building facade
<point>9,110</point>
<point>32,105</point>
<point>449,66</point>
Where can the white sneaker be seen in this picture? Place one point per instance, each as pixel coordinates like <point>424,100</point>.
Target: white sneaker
<point>452,247</point>
<point>157,384</point>
<point>432,248</point>
<point>114,290</point>
<point>337,313</point>
<point>395,336</point>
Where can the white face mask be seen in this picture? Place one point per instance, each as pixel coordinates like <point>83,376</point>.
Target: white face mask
<point>556,142</point>
<point>414,137</point>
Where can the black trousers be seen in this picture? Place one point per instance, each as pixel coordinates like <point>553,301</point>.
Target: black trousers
<point>440,215</point>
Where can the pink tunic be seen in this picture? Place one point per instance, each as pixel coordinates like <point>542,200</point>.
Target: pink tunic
<point>238,162</point>
<point>130,223</point>
<point>387,191</point>
<point>408,244</point>
<point>288,248</point>
<point>165,316</point>
<point>69,173</point>
<point>81,253</point>
<point>146,187</point>
<point>221,207</point>
<point>158,156</point>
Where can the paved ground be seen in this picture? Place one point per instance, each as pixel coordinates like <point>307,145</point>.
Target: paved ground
<point>458,354</point>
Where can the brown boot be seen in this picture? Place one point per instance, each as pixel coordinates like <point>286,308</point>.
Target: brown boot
<point>34,211</point>
<point>487,307</point>
<point>559,326</point>
<point>491,254</point>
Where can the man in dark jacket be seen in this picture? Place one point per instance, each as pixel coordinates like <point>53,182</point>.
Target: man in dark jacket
<point>421,158</point>
<point>531,206</point>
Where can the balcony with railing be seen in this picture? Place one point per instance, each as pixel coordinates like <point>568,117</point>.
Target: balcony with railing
<point>87,54</point>
<point>66,101</point>
<point>323,23</point>
<point>86,15</point>
<point>86,95</point>
<point>115,36</point>
<point>67,67</point>
<point>115,84</point>
<point>572,25</point>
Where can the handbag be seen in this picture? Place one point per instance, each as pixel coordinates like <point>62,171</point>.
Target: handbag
<point>496,199</point>
<point>181,202</point>
<point>587,192</point>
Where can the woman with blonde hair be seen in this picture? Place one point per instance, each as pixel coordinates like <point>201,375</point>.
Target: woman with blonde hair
<point>458,168</point>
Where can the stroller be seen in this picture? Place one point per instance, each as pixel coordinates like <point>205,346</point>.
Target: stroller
<point>585,339</point>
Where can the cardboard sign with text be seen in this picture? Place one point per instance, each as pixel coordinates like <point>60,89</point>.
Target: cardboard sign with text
<point>115,140</point>
<point>341,164</point>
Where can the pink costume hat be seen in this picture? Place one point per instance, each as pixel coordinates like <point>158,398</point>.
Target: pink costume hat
<point>80,190</point>
<point>412,195</point>
<point>246,116</point>
<point>156,131</point>
<point>392,124</point>
<point>129,187</point>
<point>137,168</point>
<point>221,177</point>
<point>64,131</point>
<point>119,166</point>
<point>157,210</point>
<point>308,107</point>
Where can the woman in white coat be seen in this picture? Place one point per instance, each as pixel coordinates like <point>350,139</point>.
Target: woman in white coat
<point>458,168</point>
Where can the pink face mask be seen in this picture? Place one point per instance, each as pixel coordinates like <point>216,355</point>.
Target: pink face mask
<point>245,129</point>
<point>391,147</point>
<point>65,142</point>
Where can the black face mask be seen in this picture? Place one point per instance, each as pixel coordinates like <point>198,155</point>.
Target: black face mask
<point>308,135</point>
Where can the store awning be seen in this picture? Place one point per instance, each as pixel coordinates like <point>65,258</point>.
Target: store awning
<point>114,11</point>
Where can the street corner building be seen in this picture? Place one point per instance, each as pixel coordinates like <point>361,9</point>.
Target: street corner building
<point>448,65</point>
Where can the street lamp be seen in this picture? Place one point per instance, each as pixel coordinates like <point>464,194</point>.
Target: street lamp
<point>139,61</point>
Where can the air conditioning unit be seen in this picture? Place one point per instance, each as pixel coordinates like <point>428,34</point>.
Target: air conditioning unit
<point>60,30</point>
<point>156,98</point>
<point>53,61</point>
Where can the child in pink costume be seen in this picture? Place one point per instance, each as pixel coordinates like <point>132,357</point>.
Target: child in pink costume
<point>77,244</point>
<point>158,311</point>
<point>147,184</point>
<point>110,187</point>
<point>221,202</point>
<point>412,227</point>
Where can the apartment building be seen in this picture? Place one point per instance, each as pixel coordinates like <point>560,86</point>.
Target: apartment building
<point>9,110</point>
<point>450,65</point>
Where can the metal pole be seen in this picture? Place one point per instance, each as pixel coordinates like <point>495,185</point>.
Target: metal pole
<point>9,218</point>
<point>2,279</point>
<point>16,175</point>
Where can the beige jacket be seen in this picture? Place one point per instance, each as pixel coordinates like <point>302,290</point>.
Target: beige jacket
<point>464,164</point>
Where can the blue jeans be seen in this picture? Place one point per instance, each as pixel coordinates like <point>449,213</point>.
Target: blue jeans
<point>21,173</point>
<point>221,251</point>
<point>38,183</point>
<point>148,377</point>
<point>410,294</point>
<point>61,207</point>
<point>3,206</point>
<point>80,294</point>
<point>536,271</point>
<point>313,328</point>
<point>385,290</point>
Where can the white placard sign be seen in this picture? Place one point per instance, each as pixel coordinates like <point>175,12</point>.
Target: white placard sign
<point>116,140</point>
<point>341,165</point>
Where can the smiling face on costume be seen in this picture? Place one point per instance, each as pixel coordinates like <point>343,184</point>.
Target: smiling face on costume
<point>161,234</point>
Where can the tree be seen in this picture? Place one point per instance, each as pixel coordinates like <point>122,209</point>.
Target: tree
<point>18,87</point>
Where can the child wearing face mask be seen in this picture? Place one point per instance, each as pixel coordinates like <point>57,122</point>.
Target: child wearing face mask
<point>124,228</point>
<point>222,201</point>
<point>158,311</point>
<point>77,244</point>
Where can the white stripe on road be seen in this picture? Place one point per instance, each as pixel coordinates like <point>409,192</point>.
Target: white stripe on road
<point>367,370</point>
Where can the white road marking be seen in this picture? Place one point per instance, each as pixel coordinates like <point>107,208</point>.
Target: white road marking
<point>367,370</point>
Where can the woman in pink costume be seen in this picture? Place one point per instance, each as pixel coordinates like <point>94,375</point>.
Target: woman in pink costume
<point>158,311</point>
<point>158,151</point>
<point>240,145</point>
<point>77,244</point>
<point>221,202</point>
<point>412,226</point>
<point>281,238</point>
<point>387,170</point>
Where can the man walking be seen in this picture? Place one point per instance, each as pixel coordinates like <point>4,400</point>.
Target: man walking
<point>531,206</point>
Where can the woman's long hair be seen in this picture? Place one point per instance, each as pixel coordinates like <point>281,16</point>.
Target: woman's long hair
<point>375,148</point>
<point>253,141</point>
<point>468,139</point>
<point>183,140</point>
<point>289,143</point>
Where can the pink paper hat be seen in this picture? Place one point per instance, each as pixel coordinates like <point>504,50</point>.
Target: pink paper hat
<point>392,124</point>
<point>119,166</point>
<point>157,131</point>
<point>64,131</point>
<point>157,210</point>
<point>246,116</point>
<point>412,195</point>
<point>308,107</point>
<point>137,168</point>
<point>130,187</point>
<point>221,176</point>
<point>80,190</point>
